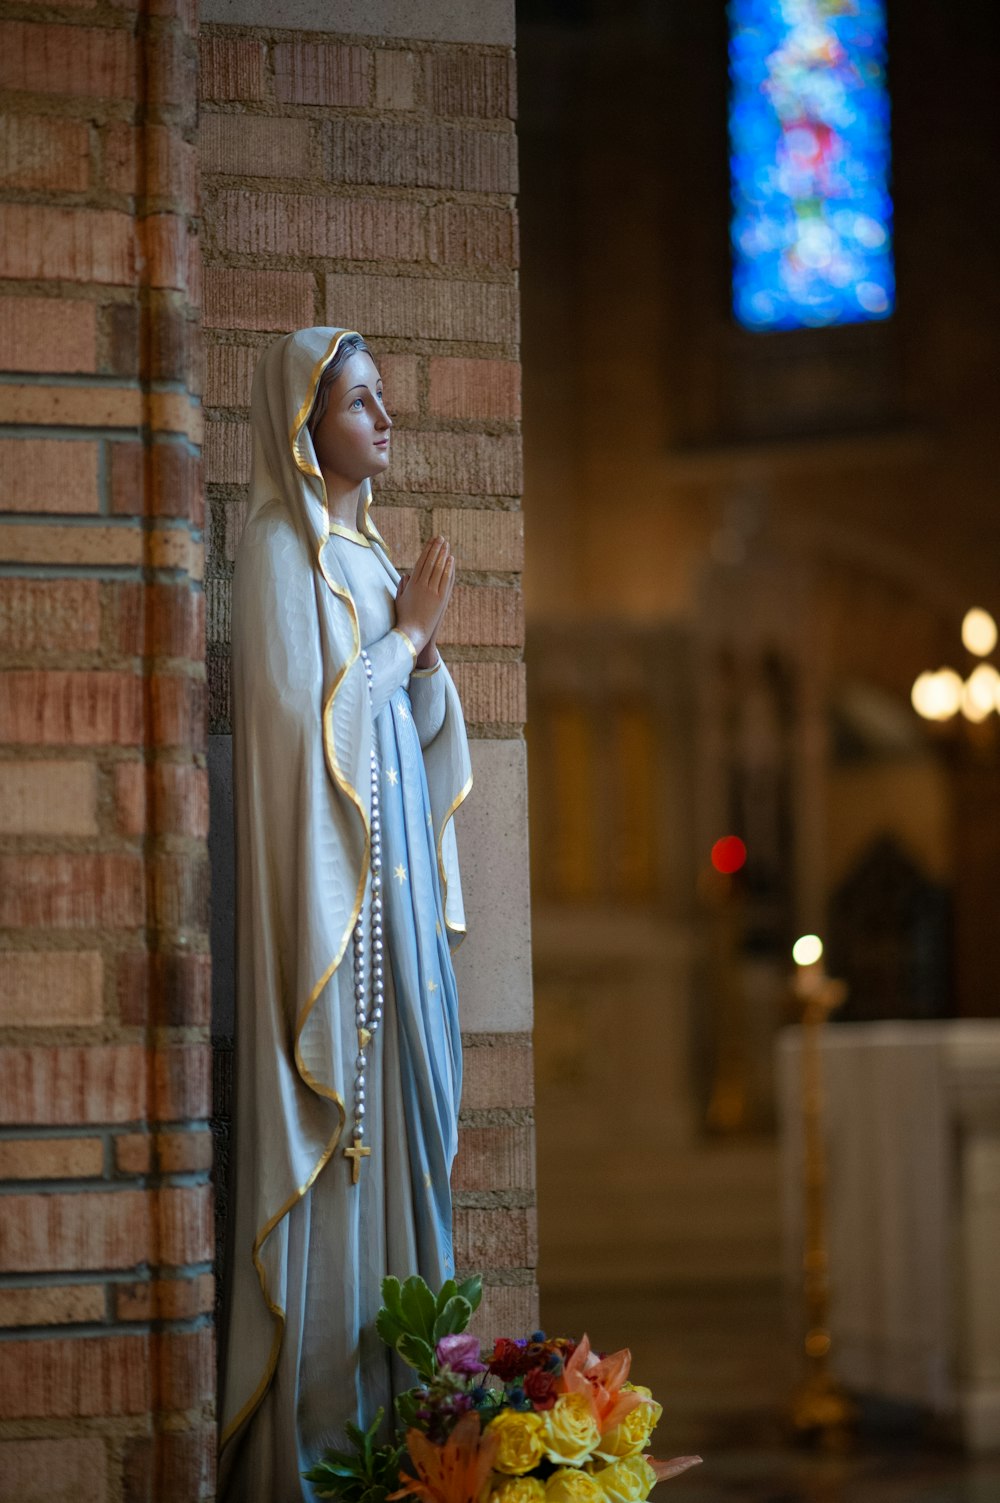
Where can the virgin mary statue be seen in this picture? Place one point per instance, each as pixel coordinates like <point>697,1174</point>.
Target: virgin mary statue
<point>349,761</point>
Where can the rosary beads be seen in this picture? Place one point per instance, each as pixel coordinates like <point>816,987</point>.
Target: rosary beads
<point>368,1000</point>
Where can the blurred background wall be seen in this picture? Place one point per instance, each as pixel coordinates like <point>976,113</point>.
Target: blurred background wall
<point>742,548</point>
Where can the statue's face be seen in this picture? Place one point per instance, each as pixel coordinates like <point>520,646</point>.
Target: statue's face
<point>352,437</point>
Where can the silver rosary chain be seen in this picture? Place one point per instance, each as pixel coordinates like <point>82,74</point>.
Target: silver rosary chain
<point>369,989</point>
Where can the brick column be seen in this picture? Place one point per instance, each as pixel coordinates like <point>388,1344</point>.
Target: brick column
<point>106,1372</point>
<point>368,181</point>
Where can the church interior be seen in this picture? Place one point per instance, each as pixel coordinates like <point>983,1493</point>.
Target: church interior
<point>745,542</point>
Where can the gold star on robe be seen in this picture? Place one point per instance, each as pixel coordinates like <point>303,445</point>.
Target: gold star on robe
<point>402,713</point>
<point>393,776</point>
<point>432,986</point>
<point>400,874</point>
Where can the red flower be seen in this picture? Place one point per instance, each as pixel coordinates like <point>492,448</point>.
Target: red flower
<point>540,1388</point>
<point>508,1359</point>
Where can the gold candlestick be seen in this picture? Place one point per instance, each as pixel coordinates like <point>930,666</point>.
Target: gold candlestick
<point>820,1406</point>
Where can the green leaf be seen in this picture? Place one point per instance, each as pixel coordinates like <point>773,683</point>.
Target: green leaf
<point>418,1307</point>
<point>392,1296</point>
<point>417,1353</point>
<point>447,1291</point>
<point>472,1290</point>
<point>407,1405</point>
<point>389,1326</point>
<point>453,1319</point>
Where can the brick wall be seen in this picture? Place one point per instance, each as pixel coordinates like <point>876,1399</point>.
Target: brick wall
<point>369,182</point>
<point>106,1371</point>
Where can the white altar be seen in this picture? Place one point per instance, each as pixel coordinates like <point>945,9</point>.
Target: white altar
<point>912,1131</point>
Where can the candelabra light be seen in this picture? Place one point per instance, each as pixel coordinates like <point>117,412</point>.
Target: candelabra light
<point>820,1407</point>
<point>943,694</point>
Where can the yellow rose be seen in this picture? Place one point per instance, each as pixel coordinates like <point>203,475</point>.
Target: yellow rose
<point>518,1490</point>
<point>522,1440</point>
<point>632,1435</point>
<point>570,1486</point>
<point>571,1431</point>
<point>630,1480</point>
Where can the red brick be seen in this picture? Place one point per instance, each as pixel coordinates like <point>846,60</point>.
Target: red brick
<point>172,71</point>
<point>64,891</point>
<point>179,795</point>
<point>55,1469</point>
<point>400,378</point>
<point>482,539</point>
<point>484,616</point>
<point>73,61</point>
<point>51,1158</point>
<point>49,475</point>
<point>47,334</point>
<point>64,1305</point>
<point>321,73</point>
<point>489,389</point>
<point>395,79</point>
<point>184,1152</point>
<point>184,1226</point>
<point>394,154</point>
<point>166,989</point>
<point>170,250</point>
<point>479,84</point>
<point>72,245</point>
<point>48,798</point>
<point>50,1233</point>
<point>494,1158</point>
<point>256,146</point>
<point>492,693</point>
<point>172,1466</point>
<point>506,1308</point>
<point>228,448</point>
<point>176,480</point>
<point>165,1299</point>
<point>49,616</point>
<point>158,162</point>
<point>77,406</point>
<point>495,1238</point>
<point>422,308</point>
<point>231,68</point>
<point>497,1075</point>
<point>183,1082</point>
<point>66,1085</point>
<point>229,374</point>
<point>71,709</point>
<point>178,711</point>
<point>102,547</point>
<point>469,235</point>
<point>51,988</point>
<point>400,526</point>
<point>37,152</point>
<point>161,620</point>
<point>301,224</point>
<point>134,1153</point>
<point>460,463</point>
<point>75,1377</point>
<point>186,1365</point>
<point>180,891</point>
<point>279,300</point>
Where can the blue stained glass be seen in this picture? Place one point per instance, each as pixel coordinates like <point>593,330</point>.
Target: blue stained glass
<point>809,161</point>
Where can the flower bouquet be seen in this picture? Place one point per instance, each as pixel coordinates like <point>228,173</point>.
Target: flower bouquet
<point>535,1420</point>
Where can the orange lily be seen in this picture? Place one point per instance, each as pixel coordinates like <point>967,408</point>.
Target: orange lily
<point>601,1380</point>
<point>673,1468</point>
<point>456,1472</point>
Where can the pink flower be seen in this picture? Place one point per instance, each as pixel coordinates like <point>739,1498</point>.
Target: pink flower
<point>460,1354</point>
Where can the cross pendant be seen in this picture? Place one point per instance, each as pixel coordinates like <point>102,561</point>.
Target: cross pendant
<point>356,1154</point>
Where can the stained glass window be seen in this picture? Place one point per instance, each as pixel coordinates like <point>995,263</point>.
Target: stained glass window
<point>809,155</point>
